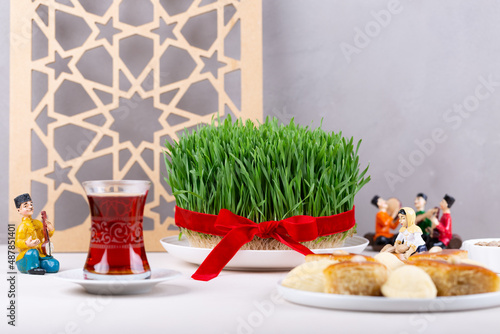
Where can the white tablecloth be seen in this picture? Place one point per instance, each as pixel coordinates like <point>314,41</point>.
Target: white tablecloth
<point>235,302</point>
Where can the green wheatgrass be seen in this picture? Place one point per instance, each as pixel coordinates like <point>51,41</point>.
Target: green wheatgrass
<point>266,172</point>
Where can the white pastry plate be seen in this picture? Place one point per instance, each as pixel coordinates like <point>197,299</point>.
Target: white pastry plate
<point>258,260</point>
<point>383,304</point>
<point>118,287</point>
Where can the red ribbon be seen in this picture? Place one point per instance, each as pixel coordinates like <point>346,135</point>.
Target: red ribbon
<point>237,231</point>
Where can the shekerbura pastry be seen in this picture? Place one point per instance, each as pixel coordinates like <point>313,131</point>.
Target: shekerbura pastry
<point>390,260</point>
<point>409,282</point>
<point>308,276</point>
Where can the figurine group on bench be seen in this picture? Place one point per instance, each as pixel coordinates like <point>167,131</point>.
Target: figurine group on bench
<point>419,230</point>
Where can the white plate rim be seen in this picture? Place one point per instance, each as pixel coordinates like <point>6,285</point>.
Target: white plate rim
<point>160,275</point>
<point>173,239</point>
<point>180,249</point>
<point>392,305</point>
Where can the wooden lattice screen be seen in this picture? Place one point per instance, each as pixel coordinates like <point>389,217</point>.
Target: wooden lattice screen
<point>97,86</point>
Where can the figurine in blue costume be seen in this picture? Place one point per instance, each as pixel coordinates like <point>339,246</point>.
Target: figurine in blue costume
<point>33,241</point>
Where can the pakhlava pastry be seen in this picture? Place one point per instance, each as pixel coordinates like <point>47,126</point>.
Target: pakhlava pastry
<point>339,256</point>
<point>355,278</point>
<point>456,279</point>
<point>443,254</point>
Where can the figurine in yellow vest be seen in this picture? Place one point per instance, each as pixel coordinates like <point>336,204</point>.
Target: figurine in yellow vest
<point>29,240</point>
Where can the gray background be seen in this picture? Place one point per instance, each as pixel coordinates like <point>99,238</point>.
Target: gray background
<point>400,86</point>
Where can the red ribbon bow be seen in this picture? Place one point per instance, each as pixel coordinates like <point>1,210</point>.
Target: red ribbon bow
<point>238,231</point>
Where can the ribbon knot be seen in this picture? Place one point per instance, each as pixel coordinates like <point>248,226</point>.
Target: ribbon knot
<point>237,231</point>
<point>267,229</point>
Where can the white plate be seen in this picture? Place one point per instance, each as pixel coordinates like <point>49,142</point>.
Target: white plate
<point>118,287</point>
<point>255,259</point>
<point>383,304</point>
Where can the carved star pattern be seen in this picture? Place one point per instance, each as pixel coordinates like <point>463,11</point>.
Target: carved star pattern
<point>60,175</point>
<point>60,65</point>
<point>133,119</point>
<point>165,31</point>
<point>107,31</point>
<point>212,64</point>
<point>130,110</point>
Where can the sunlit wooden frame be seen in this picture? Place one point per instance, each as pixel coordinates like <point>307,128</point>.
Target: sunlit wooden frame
<point>23,119</point>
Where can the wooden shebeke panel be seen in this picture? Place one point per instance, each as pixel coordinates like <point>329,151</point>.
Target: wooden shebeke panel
<point>97,86</point>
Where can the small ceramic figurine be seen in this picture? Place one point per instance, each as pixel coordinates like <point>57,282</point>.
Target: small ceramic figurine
<point>32,240</point>
<point>442,228</point>
<point>409,239</point>
<point>385,221</point>
<point>423,217</point>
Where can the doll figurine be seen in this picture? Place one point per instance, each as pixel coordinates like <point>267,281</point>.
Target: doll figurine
<point>409,239</point>
<point>384,222</point>
<point>31,239</point>
<point>423,218</point>
<point>442,228</point>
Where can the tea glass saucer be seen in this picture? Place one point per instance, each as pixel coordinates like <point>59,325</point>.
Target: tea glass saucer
<point>118,287</point>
